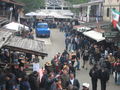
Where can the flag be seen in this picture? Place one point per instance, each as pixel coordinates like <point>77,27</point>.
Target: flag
<point>115,17</point>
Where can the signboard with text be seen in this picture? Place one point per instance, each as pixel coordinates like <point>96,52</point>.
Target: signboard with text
<point>111,34</point>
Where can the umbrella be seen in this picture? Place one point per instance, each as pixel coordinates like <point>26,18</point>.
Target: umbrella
<point>31,14</point>
<point>41,14</point>
<point>54,14</point>
<point>15,26</point>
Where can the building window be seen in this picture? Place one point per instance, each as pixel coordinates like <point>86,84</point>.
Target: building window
<point>108,10</point>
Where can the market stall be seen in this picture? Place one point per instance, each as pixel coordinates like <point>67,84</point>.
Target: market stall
<point>26,45</point>
<point>4,36</point>
<point>81,28</point>
<point>15,26</point>
<point>94,35</point>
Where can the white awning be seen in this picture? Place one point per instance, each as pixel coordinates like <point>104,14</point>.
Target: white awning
<point>42,14</point>
<point>15,26</point>
<point>81,28</point>
<point>31,14</point>
<point>94,35</point>
<point>58,15</point>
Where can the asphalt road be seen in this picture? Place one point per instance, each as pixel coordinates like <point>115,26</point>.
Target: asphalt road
<point>56,44</point>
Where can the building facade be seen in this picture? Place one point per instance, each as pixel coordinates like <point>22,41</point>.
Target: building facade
<point>90,11</point>
<point>108,5</point>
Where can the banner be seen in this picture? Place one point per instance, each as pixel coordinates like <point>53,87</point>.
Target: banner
<point>115,17</point>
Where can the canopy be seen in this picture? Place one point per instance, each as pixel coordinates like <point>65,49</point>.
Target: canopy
<point>68,13</point>
<point>31,14</point>
<point>94,35</point>
<point>54,14</point>
<point>15,26</point>
<point>26,45</point>
<point>42,14</point>
<point>4,36</point>
<point>81,28</point>
<point>58,15</point>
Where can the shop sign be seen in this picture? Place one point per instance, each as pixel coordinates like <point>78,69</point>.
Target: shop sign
<point>110,34</point>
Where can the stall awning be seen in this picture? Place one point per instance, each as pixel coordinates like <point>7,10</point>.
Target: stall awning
<point>26,45</point>
<point>94,35</point>
<point>4,36</point>
<point>15,26</point>
<point>81,28</point>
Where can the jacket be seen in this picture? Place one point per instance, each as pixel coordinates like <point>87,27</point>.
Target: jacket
<point>75,83</point>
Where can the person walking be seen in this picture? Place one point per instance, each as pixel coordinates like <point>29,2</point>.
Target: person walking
<point>78,60</point>
<point>104,77</point>
<point>24,84</point>
<point>85,59</point>
<point>73,82</point>
<point>64,78</point>
<point>94,74</point>
<point>33,80</point>
<point>67,41</point>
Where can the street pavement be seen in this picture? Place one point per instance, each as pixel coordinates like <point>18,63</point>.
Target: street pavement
<point>56,44</point>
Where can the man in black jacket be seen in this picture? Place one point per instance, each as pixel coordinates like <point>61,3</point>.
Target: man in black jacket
<point>74,82</point>
<point>94,74</point>
<point>44,79</point>
<point>104,77</point>
<point>34,80</point>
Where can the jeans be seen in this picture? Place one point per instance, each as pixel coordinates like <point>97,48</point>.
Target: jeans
<point>69,47</point>
<point>118,78</point>
<point>78,64</point>
<point>73,47</point>
<point>94,84</point>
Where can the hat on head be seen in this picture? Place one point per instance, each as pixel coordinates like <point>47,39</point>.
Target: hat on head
<point>86,85</point>
<point>110,53</point>
<point>72,51</point>
<point>48,64</point>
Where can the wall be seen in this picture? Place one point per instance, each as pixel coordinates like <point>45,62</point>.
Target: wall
<point>110,4</point>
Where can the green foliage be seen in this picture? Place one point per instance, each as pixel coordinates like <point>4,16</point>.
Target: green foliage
<point>32,4</point>
<point>76,1</point>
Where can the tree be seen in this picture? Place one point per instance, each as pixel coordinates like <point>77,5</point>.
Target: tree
<point>32,4</point>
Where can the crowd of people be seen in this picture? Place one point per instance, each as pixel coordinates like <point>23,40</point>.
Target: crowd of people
<point>60,72</point>
<point>105,57</point>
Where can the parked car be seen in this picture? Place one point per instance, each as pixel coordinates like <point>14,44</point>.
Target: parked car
<point>42,29</point>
